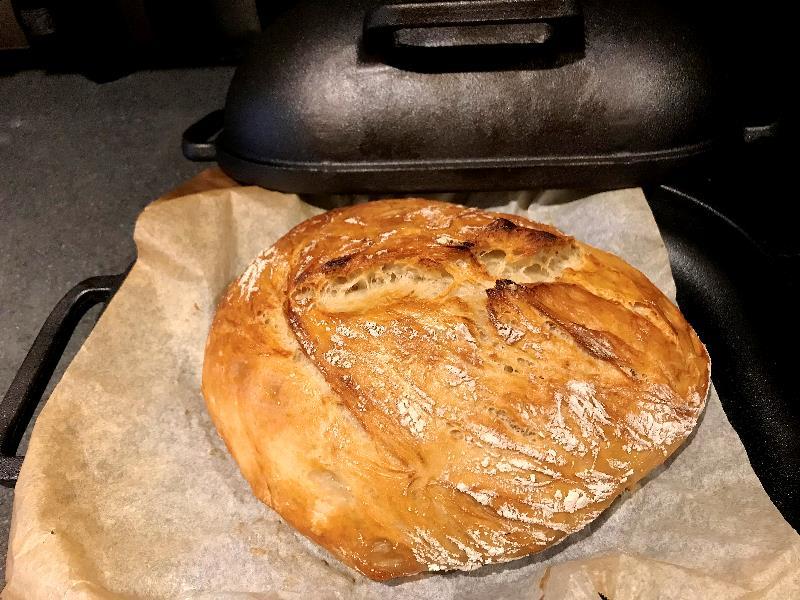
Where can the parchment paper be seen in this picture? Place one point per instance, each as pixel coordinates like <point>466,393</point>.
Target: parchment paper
<point>128,492</point>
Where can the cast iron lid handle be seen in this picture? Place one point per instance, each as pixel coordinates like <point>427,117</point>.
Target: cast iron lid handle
<point>198,143</point>
<point>476,24</point>
<point>25,392</point>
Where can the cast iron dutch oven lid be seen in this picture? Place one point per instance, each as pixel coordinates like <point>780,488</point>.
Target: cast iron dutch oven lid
<point>363,95</point>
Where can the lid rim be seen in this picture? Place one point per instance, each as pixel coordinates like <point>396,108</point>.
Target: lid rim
<point>526,162</point>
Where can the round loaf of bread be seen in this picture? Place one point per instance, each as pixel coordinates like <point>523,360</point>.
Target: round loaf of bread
<point>419,386</point>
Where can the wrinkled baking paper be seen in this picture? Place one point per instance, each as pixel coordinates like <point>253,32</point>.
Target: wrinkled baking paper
<point>128,492</point>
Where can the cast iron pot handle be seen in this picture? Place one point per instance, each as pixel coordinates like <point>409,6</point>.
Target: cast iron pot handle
<point>25,392</point>
<point>198,139</point>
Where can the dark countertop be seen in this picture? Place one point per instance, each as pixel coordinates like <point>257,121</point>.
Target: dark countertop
<point>78,162</point>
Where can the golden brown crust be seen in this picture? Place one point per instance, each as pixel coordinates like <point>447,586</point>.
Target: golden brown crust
<point>421,386</point>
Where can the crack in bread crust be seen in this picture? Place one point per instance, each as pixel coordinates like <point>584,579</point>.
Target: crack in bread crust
<point>420,386</point>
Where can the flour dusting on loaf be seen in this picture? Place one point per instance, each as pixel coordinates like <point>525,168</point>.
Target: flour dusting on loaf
<point>419,386</point>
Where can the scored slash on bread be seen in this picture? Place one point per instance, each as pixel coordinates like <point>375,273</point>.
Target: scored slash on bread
<point>419,386</point>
